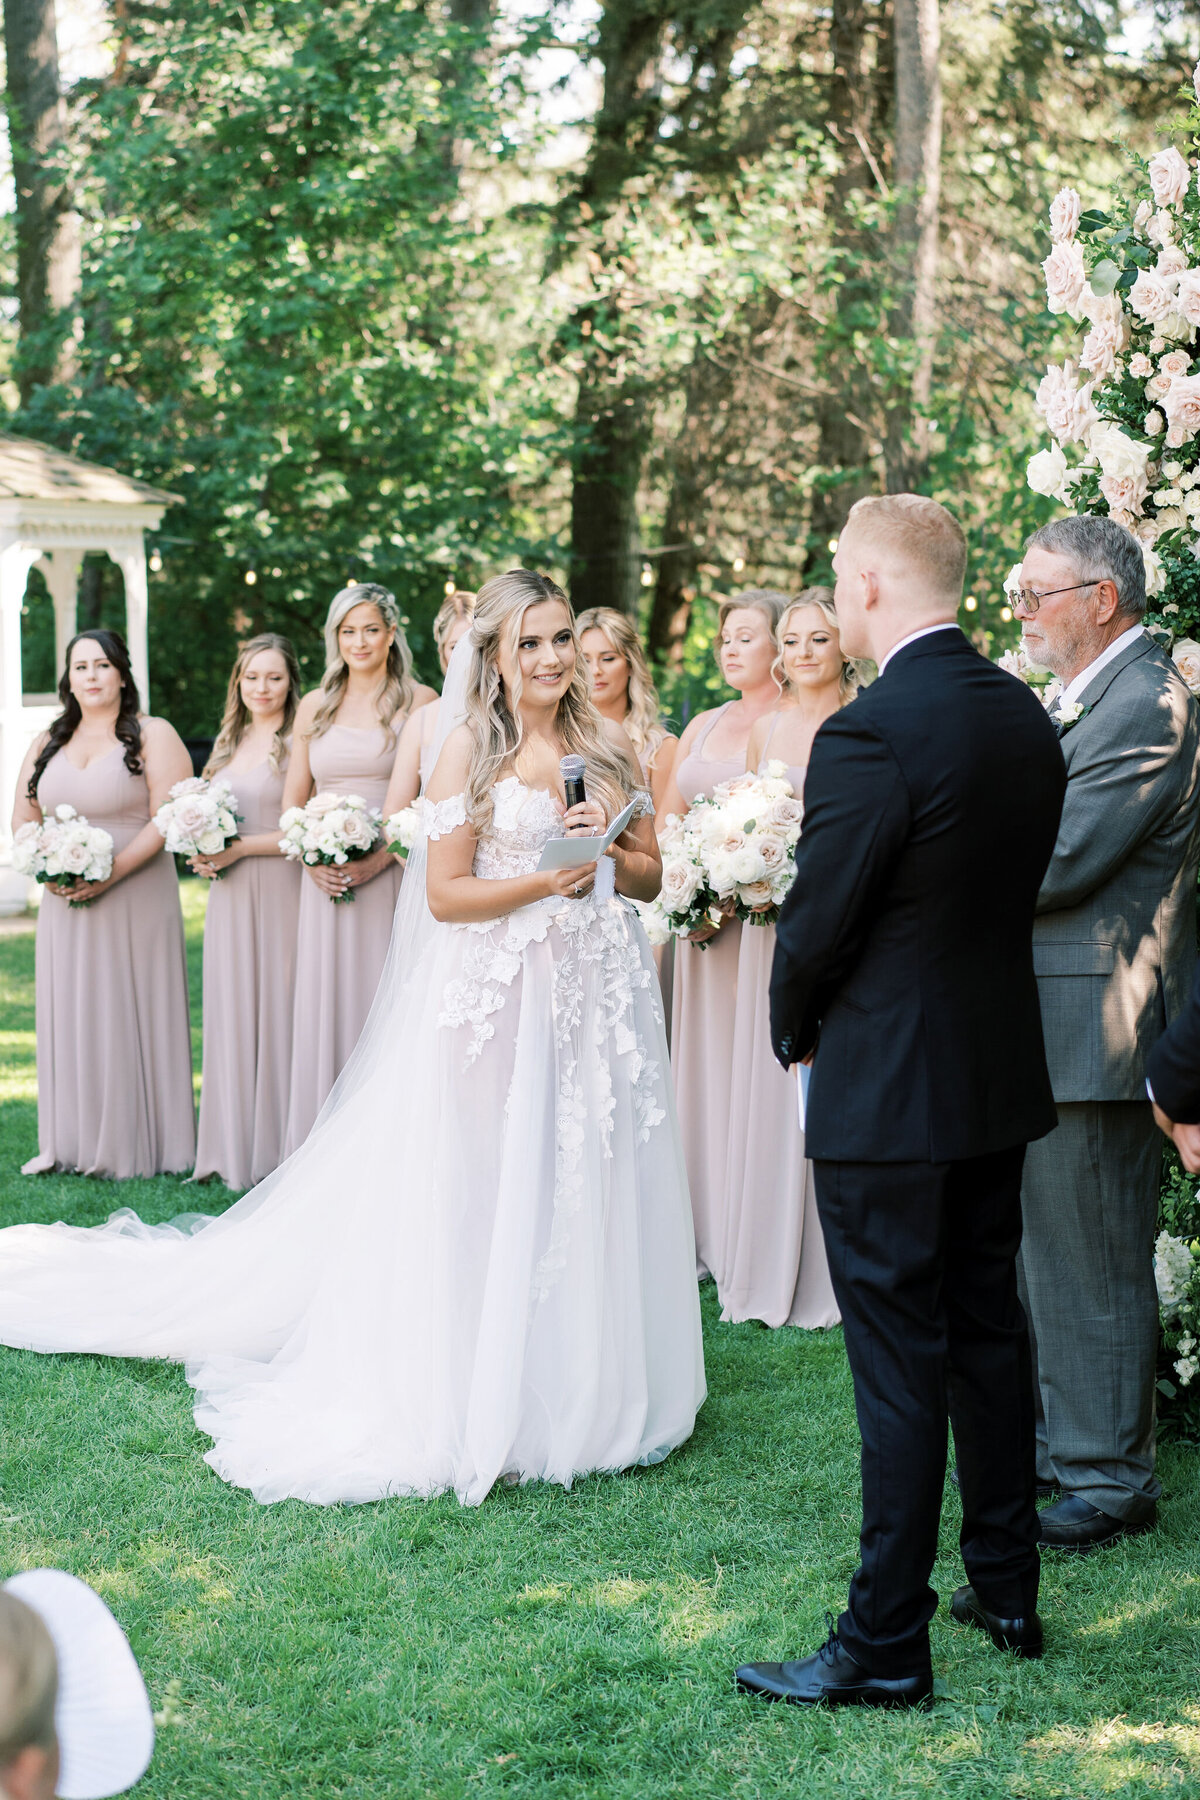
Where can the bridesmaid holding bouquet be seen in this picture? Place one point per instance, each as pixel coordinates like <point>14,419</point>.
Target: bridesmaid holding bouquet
<point>711,750</point>
<point>114,1049</point>
<point>250,928</point>
<point>773,1265</point>
<point>345,743</point>
<point>414,753</point>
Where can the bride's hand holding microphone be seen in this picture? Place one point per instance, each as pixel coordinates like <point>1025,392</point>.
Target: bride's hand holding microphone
<point>582,818</point>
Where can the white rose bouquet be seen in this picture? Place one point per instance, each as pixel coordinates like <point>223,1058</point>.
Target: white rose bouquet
<point>199,818</point>
<point>749,834</point>
<point>62,850</point>
<point>331,829</point>
<point>733,854</point>
<point>402,828</point>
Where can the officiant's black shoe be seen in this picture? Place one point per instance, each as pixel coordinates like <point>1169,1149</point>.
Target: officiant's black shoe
<point>1024,1635</point>
<point>833,1678</point>
<point>1075,1524</point>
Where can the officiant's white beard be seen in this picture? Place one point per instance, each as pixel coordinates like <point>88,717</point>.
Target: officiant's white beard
<point>1064,656</point>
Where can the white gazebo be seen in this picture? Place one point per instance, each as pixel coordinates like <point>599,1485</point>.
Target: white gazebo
<point>54,508</point>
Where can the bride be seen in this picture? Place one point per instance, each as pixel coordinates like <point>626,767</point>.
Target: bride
<point>480,1265</point>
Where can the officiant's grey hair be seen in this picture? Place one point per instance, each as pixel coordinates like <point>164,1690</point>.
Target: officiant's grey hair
<point>1099,549</point>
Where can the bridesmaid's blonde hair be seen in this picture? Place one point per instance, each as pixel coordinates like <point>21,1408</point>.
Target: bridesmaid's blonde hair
<point>236,717</point>
<point>642,720</point>
<point>396,695</point>
<point>493,717</point>
<point>457,605</point>
<point>822,599</point>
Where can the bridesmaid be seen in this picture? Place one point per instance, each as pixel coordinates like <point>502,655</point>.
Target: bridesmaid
<point>250,928</point>
<point>414,752</point>
<point>623,690</point>
<point>773,1264</point>
<point>711,750</point>
<point>345,743</point>
<point>114,1048</point>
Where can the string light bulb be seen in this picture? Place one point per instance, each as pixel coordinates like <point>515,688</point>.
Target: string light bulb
<point>250,578</point>
<point>155,562</point>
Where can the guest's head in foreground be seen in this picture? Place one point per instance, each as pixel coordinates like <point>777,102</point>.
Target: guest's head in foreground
<point>75,1718</point>
<point>899,564</point>
<point>96,685</point>
<point>527,676</point>
<point>622,685</point>
<point>746,647</point>
<point>264,690</point>
<point>1083,583</point>
<point>810,659</point>
<point>452,619</point>
<point>365,648</point>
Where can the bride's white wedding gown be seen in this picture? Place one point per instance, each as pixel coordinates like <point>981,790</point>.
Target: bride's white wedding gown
<point>481,1262</point>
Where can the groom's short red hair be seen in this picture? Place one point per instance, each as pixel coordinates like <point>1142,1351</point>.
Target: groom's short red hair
<point>919,535</point>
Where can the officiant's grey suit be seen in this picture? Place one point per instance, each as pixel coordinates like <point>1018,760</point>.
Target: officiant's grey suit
<point>1114,949</point>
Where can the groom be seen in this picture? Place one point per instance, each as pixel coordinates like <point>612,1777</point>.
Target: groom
<point>904,971</point>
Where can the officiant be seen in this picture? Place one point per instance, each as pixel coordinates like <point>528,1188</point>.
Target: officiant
<point>1114,949</point>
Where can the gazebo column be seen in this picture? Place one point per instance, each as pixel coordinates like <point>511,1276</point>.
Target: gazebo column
<point>16,560</point>
<point>61,568</point>
<point>132,558</point>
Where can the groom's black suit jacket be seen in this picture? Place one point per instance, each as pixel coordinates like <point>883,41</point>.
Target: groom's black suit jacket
<point>931,806</point>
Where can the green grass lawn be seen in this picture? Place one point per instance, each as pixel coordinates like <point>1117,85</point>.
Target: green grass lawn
<point>550,1643</point>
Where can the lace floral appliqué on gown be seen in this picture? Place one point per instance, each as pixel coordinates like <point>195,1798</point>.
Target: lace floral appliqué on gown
<point>481,1263</point>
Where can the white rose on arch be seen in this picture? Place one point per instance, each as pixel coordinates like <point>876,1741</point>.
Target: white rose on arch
<point>1156,574</point>
<point>1065,210</point>
<point>1181,405</point>
<point>1169,178</point>
<point>1048,473</point>
<point>1150,296</point>
<point>1118,455</point>
<point>1066,278</point>
<point>1186,657</point>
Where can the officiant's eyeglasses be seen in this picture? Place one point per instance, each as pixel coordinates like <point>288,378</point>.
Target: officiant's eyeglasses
<point>1030,601</point>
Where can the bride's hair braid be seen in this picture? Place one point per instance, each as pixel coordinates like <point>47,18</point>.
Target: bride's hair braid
<point>493,717</point>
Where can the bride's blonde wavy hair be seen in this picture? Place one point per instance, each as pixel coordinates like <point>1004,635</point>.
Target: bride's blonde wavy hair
<point>396,694</point>
<point>642,721</point>
<point>494,718</point>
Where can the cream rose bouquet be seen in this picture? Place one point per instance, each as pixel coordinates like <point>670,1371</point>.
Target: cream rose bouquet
<point>1123,410</point>
<point>62,850</point>
<point>733,855</point>
<point>331,829</point>
<point>402,828</point>
<point>199,818</point>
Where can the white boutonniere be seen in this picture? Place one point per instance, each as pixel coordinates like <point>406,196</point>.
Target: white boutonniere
<point>1070,714</point>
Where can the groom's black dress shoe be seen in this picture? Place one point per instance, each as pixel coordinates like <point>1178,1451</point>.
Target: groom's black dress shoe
<point>1075,1524</point>
<point>1023,1635</point>
<point>833,1678</point>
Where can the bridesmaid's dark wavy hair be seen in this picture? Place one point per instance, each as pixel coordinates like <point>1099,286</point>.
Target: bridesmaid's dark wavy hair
<point>128,727</point>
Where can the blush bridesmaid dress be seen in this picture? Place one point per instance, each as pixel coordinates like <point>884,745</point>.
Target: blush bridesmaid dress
<point>703,1002</point>
<point>250,935</point>
<point>773,1262</point>
<point>341,946</point>
<point>114,1048</point>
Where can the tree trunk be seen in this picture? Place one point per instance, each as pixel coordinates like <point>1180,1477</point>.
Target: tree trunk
<point>687,518</point>
<point>845,450</point>
<point>48,238</point>
<point>916,166</point>
<point>612,411</point>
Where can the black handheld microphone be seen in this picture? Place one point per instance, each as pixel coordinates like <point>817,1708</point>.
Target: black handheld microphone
<point>571,769</point>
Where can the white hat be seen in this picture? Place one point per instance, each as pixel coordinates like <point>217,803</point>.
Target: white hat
<point>102,1715</point>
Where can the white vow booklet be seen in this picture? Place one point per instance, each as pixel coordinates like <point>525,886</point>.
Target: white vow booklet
<point>570,852</point>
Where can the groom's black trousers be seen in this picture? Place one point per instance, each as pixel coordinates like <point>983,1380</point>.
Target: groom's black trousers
<point>923,1260</point>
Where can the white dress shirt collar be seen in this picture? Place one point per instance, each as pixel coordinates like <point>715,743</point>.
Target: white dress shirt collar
<point>1076,686</point>
<point>904,642</point>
